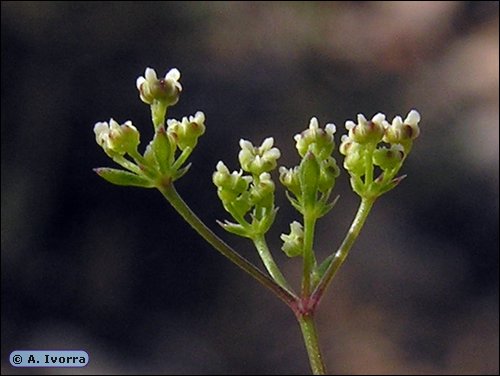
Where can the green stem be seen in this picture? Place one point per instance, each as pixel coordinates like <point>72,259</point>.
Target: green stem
<point>341,254</point>
<point>310,335</point>
<point>271,266</point>
<point>309,259</point>
<point>169,192</point>
<point>158,113</point>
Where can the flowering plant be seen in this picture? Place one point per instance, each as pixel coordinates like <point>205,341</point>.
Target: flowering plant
<point>371,147</point>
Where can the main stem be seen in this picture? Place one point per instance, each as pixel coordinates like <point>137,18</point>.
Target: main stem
<point>169,192</point>
<point>310,335</point>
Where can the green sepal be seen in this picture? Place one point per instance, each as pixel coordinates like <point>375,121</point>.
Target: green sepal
<point>125,178</point>
<point>234,228</point>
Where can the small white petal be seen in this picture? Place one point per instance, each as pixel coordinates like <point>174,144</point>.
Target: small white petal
<point>173,74</point>
<point>345,138</point>
<point>330,128</point>
<point>101,127</point>
<point>274,153</point>
<point>349,124</point>
<point>412,118</point>
<point>397,121</point>
<point>378,118</point>
<point>297,137</point>
<point>362,119</point>
<point>221,167</point>
<point>267,144</point>
<point>113,123</point>
<point>150,74</point>
<point>139,82</point>
<point>313,124</point>
<point>244,144</point>
<point>199,117</point>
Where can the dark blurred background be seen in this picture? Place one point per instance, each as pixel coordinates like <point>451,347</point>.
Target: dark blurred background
<point>114,271</point>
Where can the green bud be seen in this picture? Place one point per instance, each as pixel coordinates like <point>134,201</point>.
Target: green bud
<point>120,177</point>
<point>262,194</point>
<point>353,161</point>
<point>185,133</point>
<point>319,141</point>
<point>165,90</point>
<point>328,172</point>
<point>293,243</point>
<point>387,159</point>
<point>257,160</point>
<point>366,131</point>
<point>289,177</point>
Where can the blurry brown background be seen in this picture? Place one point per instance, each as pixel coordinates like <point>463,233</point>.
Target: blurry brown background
<point>113,271</point>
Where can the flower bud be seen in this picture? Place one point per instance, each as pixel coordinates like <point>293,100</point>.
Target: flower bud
<point>262,194</point>
<point>293,243</point>
<point>328,172</point>
<point>289,177</point>
<point>388,158</point>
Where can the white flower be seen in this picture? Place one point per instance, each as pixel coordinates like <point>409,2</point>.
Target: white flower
<point>166,89</point>
<point>366,131</point>
<point>257,160</point>
<point>187,131</point>
<point>400,131</point>
<point>321,140</point>
<point>116,139</point>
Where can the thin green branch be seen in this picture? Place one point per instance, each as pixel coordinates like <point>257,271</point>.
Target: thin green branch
<point>169,192</point>
<point>268,260</point>
<point>309,259</point>
<point>341,254</point>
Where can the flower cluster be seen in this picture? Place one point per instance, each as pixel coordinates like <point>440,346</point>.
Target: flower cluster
<point>312,181</point>
<point>249,198</point>
<point>309,185</point>
<point>377,143</point>
<point>160,163</point>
